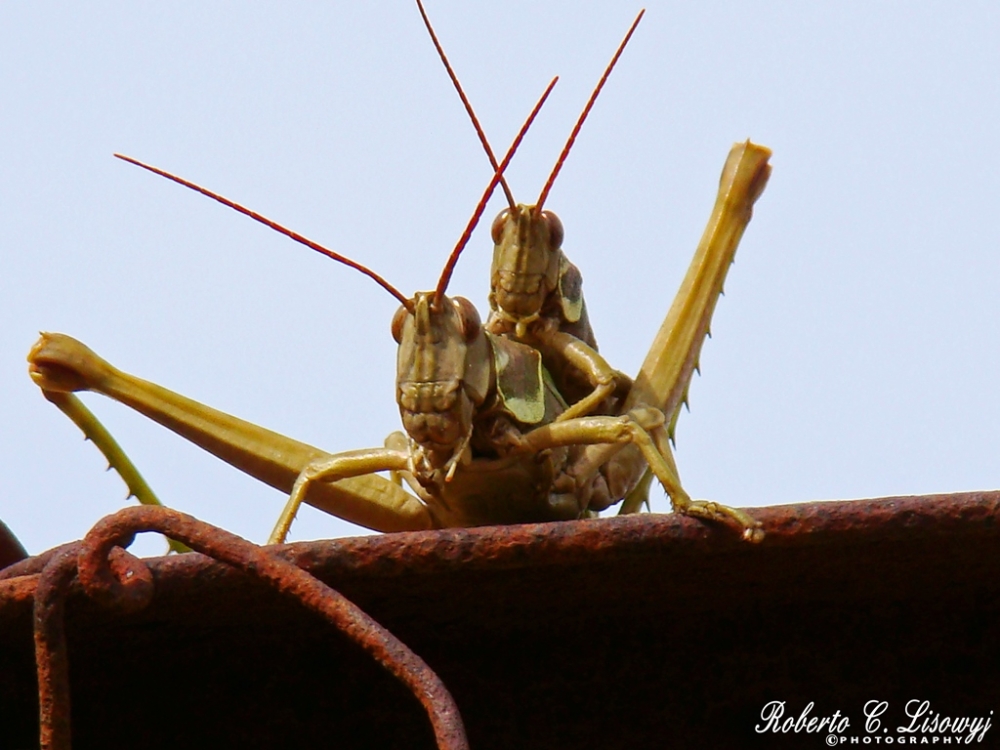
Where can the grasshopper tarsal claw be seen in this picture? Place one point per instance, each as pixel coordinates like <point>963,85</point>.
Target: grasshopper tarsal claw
<point>752,531</point>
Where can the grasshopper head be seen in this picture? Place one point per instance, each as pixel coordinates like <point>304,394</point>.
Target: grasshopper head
<point>526,260</point>
<point>443,371</point>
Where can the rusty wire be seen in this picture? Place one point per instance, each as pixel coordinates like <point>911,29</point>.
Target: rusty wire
<point>50,649</point>
<point>33,565</point>
<point>115,578</point>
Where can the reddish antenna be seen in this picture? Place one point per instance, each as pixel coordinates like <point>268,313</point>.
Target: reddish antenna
<point>583,116</point>
<point>408,304</point>
<point>468,106</point>
<point>497,176</point>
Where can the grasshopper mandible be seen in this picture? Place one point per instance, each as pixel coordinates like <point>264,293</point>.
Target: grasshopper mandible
<point>536,293</point>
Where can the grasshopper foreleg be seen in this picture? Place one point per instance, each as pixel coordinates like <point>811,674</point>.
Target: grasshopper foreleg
<point>558,347</point>
<point>331,469</point>
<point>645,428</point>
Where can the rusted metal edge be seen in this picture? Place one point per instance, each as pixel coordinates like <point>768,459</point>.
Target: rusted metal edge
<point>888,558</point>
<point>112,576</point>
<point>507,547</point>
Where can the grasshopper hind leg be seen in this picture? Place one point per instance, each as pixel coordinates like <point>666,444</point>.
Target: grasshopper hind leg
<point>117,459</point>
<point>638,497</point>
<point>662,381</point>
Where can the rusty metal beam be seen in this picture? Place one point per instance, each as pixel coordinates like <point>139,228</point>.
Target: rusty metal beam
<point>625,632</point>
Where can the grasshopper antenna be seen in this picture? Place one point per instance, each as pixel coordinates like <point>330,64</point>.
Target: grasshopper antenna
<point>468,106</point>
<point>278,228</point>
<point>464,239</point>
<point>583,115</point>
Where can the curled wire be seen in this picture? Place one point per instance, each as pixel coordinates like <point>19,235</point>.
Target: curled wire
<point>117,579</point>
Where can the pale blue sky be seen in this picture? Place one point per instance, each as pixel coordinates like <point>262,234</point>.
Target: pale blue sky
<point>854,354</point>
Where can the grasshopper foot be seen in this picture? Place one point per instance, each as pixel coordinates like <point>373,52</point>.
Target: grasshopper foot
<point>707,509</point>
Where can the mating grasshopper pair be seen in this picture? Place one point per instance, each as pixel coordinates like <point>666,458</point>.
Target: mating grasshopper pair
<point>490,436</point>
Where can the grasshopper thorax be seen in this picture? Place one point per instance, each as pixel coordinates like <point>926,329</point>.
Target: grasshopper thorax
<point>527,255</point>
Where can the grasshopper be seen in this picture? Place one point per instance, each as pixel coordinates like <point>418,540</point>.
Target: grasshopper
<point>61,366</point>
<point>536,293</point>
<point>482,444</point>
<point>484,421</point>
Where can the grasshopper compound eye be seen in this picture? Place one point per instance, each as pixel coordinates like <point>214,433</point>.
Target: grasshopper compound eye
<point>397,323</point>
<point>496,231</point>
<point>467,313</point>
<point>555,229</point>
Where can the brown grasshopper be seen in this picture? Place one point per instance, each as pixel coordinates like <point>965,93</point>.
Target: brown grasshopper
<point>470,403</point>
<point>536,293</point>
